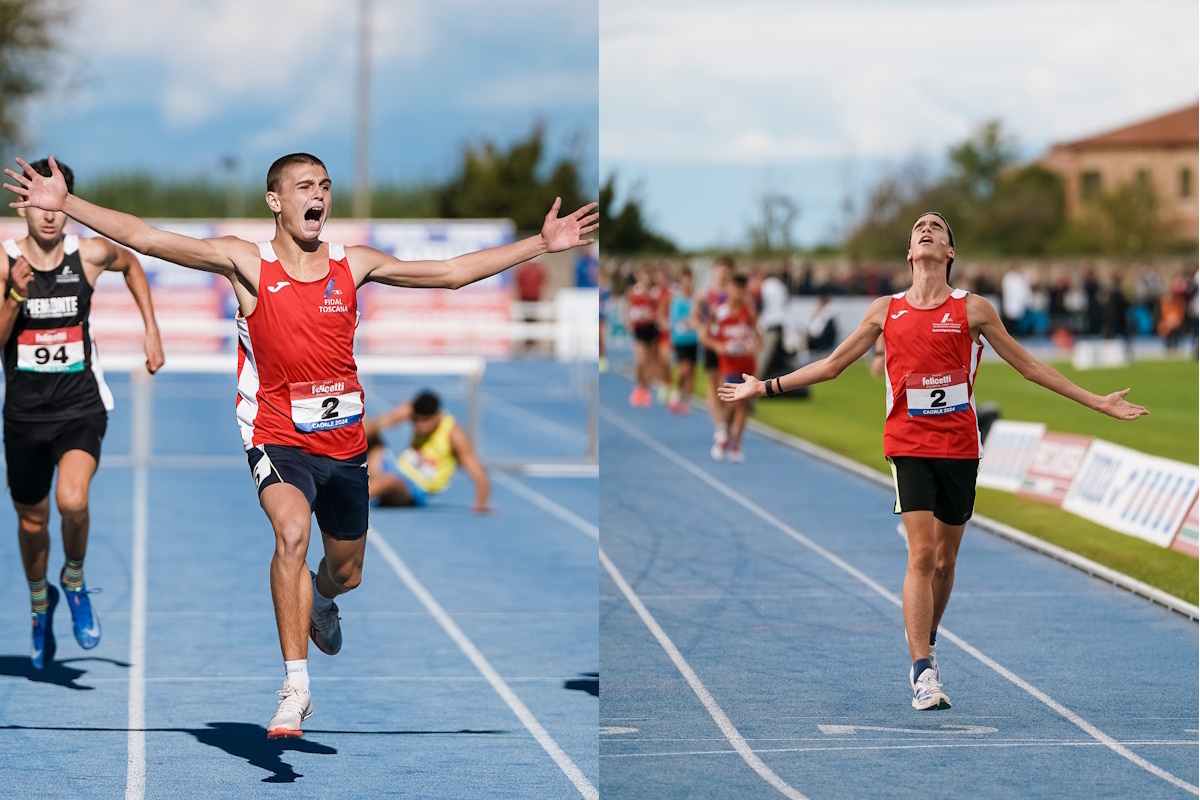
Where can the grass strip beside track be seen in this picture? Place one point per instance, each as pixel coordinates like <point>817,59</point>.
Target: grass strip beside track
<point>846,416</point>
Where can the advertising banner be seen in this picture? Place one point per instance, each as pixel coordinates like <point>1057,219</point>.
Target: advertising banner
<point>1189,532</point>
<point>1007,453</point>
<point>1131,492</point>
<point>1055,462</point>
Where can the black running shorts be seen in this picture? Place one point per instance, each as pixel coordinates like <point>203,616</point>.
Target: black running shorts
<point>686,352</point>
<point>646,334</point>
<point>710,360</point>
<point>33,449</point>
<point>945,486</point>
<point>336,490</point>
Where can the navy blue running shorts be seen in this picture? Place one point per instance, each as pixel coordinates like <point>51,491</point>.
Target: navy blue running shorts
<point>336,490</point>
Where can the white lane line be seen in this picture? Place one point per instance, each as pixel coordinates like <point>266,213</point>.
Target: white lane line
<point>938,746</point>
<point>727,728</point>
<point>135,769</point>
<point>766,516</point>
<point>435,610</point>
<point>549,506</point>
<point>555,679</point>
<point>706,699</point>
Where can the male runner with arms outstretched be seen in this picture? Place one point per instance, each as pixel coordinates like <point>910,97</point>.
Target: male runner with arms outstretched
<point>299,402</point>
<point>931,336</point>
<point>56,402</point>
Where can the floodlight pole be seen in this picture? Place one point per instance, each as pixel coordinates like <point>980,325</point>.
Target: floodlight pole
<point>362,177</point>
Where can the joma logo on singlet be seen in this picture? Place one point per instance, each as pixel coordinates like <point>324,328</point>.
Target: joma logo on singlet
<point>43,307</point>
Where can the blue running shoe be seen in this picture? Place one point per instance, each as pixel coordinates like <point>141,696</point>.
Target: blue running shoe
<point>85,621</point>
<point>44,646</point>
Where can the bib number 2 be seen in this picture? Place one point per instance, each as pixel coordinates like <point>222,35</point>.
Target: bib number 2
<point>325,405</point>
<point>938,393</point>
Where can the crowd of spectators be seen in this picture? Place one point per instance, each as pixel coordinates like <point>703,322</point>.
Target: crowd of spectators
<point>1060,300</point>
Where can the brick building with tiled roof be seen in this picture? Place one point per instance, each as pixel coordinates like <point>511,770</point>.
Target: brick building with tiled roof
<point>1162,154</point>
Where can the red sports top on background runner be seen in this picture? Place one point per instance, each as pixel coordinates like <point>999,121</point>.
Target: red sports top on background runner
<point>643,305</point>
<point>929,366</point>
<point>736,330</point>
<point>297,380</point>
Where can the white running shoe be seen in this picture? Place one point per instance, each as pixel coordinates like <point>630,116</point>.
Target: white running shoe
<point>928,694</point>
<point>735,456</point>
<point>718,451</point>
<point>325,630</point>
<point>937,673</point>
<point>295,706</point>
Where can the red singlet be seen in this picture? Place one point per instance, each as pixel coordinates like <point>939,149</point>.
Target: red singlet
<point>735,329</point>
<point>643,306</point>
<point>297,380</point>
<point>929,366</point>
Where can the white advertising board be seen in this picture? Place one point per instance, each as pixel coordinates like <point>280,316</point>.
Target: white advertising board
<point>1007,453</point>
<point>1134,493</point>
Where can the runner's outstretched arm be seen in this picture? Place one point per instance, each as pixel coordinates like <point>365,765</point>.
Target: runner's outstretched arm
<point>985,322</point>
<point>464,452</point>
<point>388,419</point>
<point>17,279</point>
<point>558,233</point>
<point>125,262</point>
<point>222,255</point>
<point>826,369</point>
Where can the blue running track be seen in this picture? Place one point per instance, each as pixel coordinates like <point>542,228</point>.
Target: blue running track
<point>470,662</point>
<point>752,643</point>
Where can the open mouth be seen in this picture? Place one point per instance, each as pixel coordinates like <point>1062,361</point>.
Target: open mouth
<point>312,216</point>
<point>926,240</point>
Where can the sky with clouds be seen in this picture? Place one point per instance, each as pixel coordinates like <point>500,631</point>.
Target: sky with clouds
<point>175,86</point>
<point>708,104</point>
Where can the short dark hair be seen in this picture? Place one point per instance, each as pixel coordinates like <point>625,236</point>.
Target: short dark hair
<point>740,280</point>
<point>426,404</point>
<point>42,168</point>
<point>726,260</point>
<point>949,234</point>
<point>283,163</point>
<point>685,270</point>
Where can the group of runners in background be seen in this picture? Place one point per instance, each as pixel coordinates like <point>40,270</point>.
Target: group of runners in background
<point>672,323</point>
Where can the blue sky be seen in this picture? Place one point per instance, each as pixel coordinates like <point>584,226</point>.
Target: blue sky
<point>175,86</point>
<point>707,103</point>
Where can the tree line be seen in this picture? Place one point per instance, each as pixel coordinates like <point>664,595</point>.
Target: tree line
<point>515,181</point>
<point>997,205</point>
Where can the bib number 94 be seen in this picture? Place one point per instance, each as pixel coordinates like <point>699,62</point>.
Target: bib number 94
<point>50,350</point>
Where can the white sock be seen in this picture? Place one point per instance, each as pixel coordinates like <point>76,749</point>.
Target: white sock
<point>321,603</point>
<point>296,673</point>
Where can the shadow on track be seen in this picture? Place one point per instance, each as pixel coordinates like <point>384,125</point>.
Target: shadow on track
<point>56,672</point>
<point>249,742</point>
<point>590,683</point>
